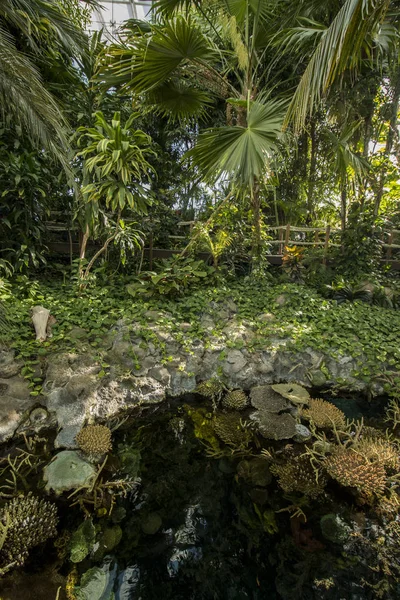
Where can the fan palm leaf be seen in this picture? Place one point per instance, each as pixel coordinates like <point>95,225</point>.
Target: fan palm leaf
<point>147,61</point>
<point>240,152</point>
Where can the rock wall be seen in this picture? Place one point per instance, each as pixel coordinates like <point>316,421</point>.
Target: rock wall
<point>147,364</point>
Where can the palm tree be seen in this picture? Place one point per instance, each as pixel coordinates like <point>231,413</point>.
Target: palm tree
<point>196,53</point>
<point>25,28</point>
<point>360,28</point>
<point>348,166</point>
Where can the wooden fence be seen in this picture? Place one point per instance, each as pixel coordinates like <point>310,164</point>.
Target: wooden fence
<point>282,236</point>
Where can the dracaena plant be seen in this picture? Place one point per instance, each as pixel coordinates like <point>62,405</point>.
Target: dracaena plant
<point>115,173</point>
<point>185,61</point>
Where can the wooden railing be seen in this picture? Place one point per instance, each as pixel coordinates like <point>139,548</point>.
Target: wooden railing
<point>282,236</point>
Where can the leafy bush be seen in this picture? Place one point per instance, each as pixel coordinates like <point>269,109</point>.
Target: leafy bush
<point>349,292</point>
<point>292,262</point>
<point>176,276</point>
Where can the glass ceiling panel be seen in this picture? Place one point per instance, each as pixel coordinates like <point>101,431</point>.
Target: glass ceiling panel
<point>114,12</point>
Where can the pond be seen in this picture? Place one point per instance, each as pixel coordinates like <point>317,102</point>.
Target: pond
<point>193,503</point>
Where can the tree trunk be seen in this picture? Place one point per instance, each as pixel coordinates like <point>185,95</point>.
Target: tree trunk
<point>343,206</point>
<point>103,248</point>
<point>82,252</point>
<point>390,138</point>
<point>312,172</point>
<point>255,200</point>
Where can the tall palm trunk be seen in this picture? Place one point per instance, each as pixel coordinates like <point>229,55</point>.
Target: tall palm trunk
<point>390,137</point>
<point>343,206</point>
<point>256,205</point>
<point>313,171</point>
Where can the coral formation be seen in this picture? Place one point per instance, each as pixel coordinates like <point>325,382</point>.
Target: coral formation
<point>94,440</point>
<point>298,475</point>
<point>229,429</point>
<point>264,397</point>
<point>352,469</point>
<point>324,414</point>
<point>27,522</point>
<point>293,392</point>
<point>211,389</point>
<point>379,450</point>
<point>235,400</point>
<point>274,427</point>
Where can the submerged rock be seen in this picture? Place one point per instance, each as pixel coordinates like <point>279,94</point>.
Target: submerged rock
<point>334,529</point>
<point>67,471</point>
<point>151,524</point>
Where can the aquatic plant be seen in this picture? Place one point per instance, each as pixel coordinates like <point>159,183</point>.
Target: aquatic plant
<point>230,430</point>
<point>94,441</point>
<point>299,475</point>
<point>324,414</point>
<point>235,400</point>
<point>26,522</point>
<point>352,469</point>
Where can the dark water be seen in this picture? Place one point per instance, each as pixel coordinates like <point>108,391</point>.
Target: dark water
<point>205,525</point>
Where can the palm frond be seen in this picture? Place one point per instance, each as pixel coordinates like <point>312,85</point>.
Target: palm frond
<point>240,152</point>
<point>339,49</point>
<point>178,102</point>
<point>22,94</point>
<point>146,62</point>
<point>26,15</point>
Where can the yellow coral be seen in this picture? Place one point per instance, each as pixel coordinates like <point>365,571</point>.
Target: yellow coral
<point>352,469</point>
<point>212,389</point>
<point>298,475</point>
<point>379,450</point>
<point>27,521</point>
<point>229,429</point>
<point>324,414</point>
<point>235,400</point>
<point>94,440</point>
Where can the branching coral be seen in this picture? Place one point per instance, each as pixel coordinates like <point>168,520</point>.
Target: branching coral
<point>379,450</point>
<point>94,440</point>
<point>28,522</point>
<point>324,414</point>
<point>299,475</point>
<point>235,400</point>
<point>355,470</point>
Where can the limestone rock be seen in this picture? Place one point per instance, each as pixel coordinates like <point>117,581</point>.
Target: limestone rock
<point>317,378</point>
<point>266,318</point>
<point>234,362</point>
<point>67,471</point>
<point>15,402</point>
<point>9,367</point>
<point>71,415</point>
<point>302,433</point>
